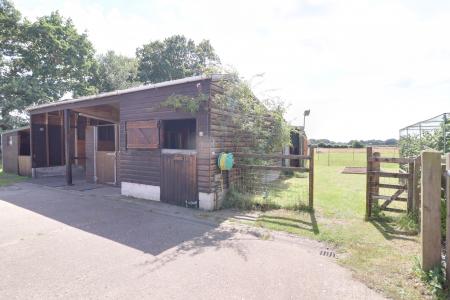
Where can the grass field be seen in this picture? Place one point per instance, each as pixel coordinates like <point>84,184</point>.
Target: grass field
<point>381,252</point>
<point>6,179</point>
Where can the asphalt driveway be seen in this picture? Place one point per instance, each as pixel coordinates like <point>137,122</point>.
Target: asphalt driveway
<point>93,243</point>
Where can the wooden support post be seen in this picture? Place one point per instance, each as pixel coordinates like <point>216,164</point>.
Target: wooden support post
<point>311,177</point>
<point>447,233</point>
<point>368,182</point>
<point>47,142</point>
<point>375,178</point>
<point>410,199</point>
<point>431,210</point>
<point>67,147</point>
<point>415,188</point>
<point>31,148</point>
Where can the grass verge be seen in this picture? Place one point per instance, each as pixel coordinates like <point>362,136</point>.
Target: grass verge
<point>381,252</point>
<point>7,179</point>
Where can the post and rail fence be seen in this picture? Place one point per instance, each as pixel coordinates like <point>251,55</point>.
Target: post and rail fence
<point>424,196</point>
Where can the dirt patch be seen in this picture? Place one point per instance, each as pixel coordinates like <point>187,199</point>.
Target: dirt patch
<point>354,170</point>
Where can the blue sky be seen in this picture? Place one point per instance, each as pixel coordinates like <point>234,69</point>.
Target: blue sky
<point>364,68</point>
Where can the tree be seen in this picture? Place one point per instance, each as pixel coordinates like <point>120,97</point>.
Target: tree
<point>175,57</point>
<point>357,144</point>
<point>10,46</point>
<point>41,61</point>
<point>116,72</point>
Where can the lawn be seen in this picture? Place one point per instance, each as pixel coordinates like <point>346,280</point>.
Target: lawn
<point>381,252</point>
<point>7,179</point>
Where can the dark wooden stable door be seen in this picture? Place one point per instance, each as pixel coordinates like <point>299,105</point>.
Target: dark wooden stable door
<point>179,179</point>
<point>54,146</point>
<point>39,141</point>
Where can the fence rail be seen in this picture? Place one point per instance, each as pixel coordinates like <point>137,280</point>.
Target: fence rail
<point>407,182</point>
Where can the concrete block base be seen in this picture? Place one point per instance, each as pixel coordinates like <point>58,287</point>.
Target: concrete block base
<point>143,191</point>
<point>206,201</point>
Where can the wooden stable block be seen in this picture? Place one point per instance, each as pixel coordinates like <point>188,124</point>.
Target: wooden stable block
<point>431,201</point>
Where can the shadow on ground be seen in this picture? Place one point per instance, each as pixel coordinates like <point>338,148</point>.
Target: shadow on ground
<point>389,229</point>
<point>306,221</point>
<point>130,223</point>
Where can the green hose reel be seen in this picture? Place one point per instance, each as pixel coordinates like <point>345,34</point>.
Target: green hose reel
<point>225,161</point>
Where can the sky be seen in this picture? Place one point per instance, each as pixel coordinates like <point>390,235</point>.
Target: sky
<point>365,69</point>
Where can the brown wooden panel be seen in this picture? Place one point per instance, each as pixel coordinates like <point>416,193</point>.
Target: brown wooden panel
<point>10,152</point>
<point>140,166</point>
<point>39,142</point>
<point>25,165</point>
<point>81,148</point>
<point>90,152</point>
<point>55,138</point>
<point>106,167</point>
<point>142,134</point>
<point>179,179</point>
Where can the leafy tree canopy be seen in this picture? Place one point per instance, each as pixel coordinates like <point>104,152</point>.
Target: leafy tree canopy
<point>44,60</point>
<point>173,58</point>
<point>40,62</point>
<point>116,72</point>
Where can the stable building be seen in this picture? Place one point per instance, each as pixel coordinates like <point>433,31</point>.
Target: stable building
<point>130,139</point>
<point>16,157</point>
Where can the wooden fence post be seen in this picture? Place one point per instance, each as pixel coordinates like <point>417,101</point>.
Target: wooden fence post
<point>415,188</point>
<point>431,210</point>
<point>410,199</point>
<point>311,177</point>
<point>375,179</point>
<point>447,233</point>
<point>368,182</point>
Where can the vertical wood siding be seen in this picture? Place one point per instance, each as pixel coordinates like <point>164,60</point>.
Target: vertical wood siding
<point>144,165</point>
<point>182,169</point>
<point>10,153</point>
<point>225,137</point>
<point>90,153</point>
<point>39,140</point>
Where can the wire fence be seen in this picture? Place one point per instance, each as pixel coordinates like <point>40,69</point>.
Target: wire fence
<point>349,157</point>
<point>433,133</point>
<point>269,189</point>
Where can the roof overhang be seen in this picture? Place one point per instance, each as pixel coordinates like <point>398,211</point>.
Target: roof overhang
<point>25,128</point>
<point>105,98</point>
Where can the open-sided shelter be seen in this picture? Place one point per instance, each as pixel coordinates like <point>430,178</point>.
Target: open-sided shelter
<point>129,138</point>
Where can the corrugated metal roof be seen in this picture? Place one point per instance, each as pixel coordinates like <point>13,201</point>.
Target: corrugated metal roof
<point>126,91</point>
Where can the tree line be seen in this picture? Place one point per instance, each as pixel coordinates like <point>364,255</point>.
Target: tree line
<point>326,143</point>
<point>48,59</point>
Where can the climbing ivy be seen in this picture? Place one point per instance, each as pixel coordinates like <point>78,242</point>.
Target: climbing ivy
<point>259,119</point>
<point>185,103</point>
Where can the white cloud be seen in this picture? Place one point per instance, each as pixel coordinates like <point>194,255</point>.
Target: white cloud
<point>365,68</point>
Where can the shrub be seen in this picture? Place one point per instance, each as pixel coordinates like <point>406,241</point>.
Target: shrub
<point>357,144</point>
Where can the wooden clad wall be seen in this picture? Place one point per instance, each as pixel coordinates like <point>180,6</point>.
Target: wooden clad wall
<point>24,165</point>
<point>144,165</point>
<point>10,152</point>
<point>90,153</point>
<point>47,138</point>
<point>38,140</point>
<point>225,137</point>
